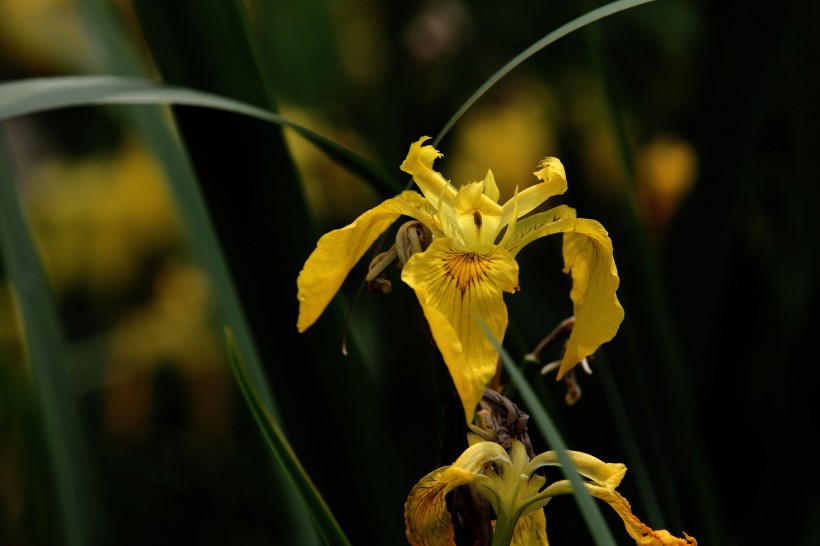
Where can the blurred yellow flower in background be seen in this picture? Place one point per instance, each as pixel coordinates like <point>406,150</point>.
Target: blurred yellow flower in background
<point>107,228</point>
<point>174,328</point>
<point>332,191</point>
<point>97,218</point>
<point>505,132</point>
<point>44,35</point>
<point>665,170</point>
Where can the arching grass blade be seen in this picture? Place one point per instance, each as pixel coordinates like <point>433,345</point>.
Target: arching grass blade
<point>279,446</point>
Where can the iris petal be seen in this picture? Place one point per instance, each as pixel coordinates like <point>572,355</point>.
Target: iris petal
<point>454,287</point>
<point>419,164</point>
<point>427,520</point>
<point>426,517</point>
<point>531,529</point>
<point>554,182</point>
<point>588,258</point>
<point>598,313</point>
<point>339,250</point>
<point>641,533</point>
<point>490,187</point>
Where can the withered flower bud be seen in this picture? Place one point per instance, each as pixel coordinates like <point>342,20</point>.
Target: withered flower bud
<point>412,237</point>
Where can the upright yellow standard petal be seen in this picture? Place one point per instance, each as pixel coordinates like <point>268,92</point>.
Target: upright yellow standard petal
<point>588,258</point>
<point>338,251</point>
<point>455,288</point>
<point>490,187</point>
<point>478,217</point>
<point>419,164</point>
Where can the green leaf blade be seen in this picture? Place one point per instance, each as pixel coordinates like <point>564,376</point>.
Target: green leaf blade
<point>59,408</point>
<point>280,447</point>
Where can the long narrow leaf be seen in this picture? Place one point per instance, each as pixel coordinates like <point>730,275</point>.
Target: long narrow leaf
<point>555,35</point>
<point>589,510</point>
<point>118,54</point>
<point>280,447</point>
<point>58,404</point>
<point>34,95</point>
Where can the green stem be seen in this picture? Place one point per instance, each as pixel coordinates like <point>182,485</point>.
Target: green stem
<point>504,528</point>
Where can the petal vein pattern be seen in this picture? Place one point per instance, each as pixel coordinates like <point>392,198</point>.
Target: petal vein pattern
<point>454,287</point>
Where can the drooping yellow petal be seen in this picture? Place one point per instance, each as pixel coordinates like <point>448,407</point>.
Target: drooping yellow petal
<point>479,454</point>
<point>554,182</point>
<point>531,530</point>
<point>338,251</point>
<point>536,226</point>
<point>598,313</point>
<point>426,518</point>
<point>605,477</point>
<point>604,474</point>
<point>588,258</point>
<point>454,287</point>
<point>642,534</point>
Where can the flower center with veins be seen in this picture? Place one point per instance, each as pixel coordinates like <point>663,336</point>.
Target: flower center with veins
<point>466,269</point>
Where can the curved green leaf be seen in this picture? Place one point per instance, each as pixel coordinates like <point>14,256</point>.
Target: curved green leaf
<point>555,35</point>
<point>59,409</point>
<point>280,447</point>
<point>18,98</point>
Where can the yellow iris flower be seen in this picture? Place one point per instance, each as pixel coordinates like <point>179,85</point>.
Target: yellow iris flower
<point>517,493</point>
<point>470,263</point>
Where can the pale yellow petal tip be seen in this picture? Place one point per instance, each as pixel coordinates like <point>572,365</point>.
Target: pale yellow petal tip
<point>470,406</point>
<point>550,168</point>
<point>419,155</point>
<point>306,316</point>
<point>302,324</point>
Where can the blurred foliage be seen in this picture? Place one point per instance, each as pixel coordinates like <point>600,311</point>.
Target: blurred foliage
<point>686,128</point>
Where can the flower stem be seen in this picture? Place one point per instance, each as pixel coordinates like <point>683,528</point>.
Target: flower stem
<point>504,527</point>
